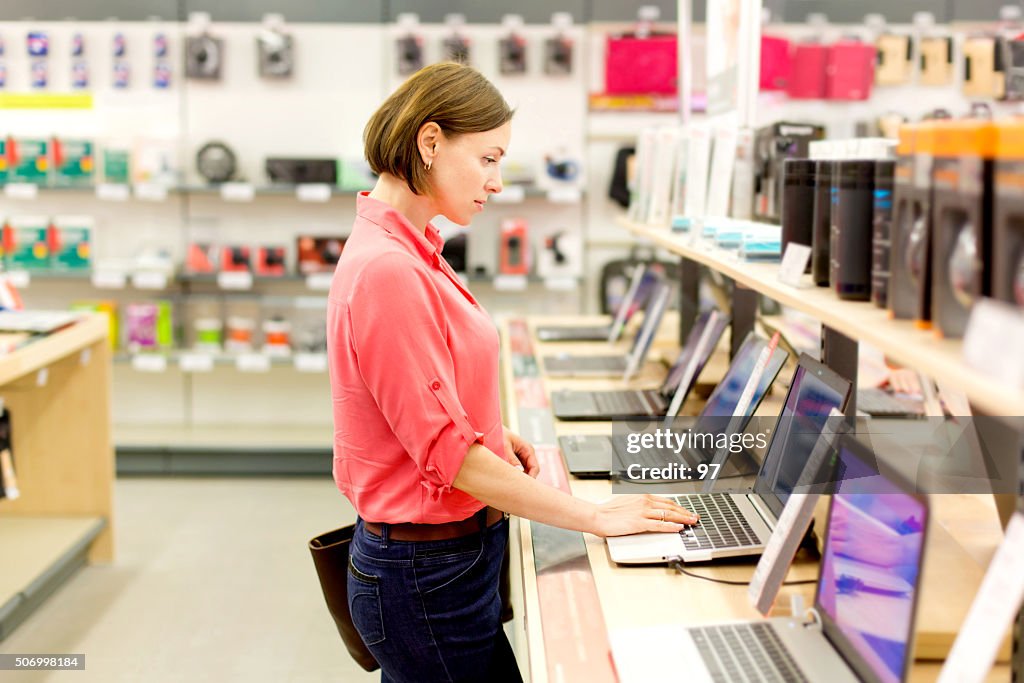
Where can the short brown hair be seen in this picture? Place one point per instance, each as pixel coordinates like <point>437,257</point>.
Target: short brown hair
<point>454,96</point>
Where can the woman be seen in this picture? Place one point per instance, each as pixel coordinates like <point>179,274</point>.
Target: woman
<point>419,447</point>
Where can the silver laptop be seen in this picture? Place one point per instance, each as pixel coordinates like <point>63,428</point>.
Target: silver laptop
<point>566,365</point>
<point>865,603</point>
<point>641,284</point>
<point>593,456</point>
<point>733,524</point>
<point>625,404</point>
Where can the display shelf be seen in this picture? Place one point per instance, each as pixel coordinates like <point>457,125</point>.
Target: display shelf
<point>176,356</point>
<point>230,437</point>
<point>900,340</point>
<point>40,553</point>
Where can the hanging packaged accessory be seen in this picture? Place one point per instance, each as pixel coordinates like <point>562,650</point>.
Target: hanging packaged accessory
<point>409,45</point>
<point>512,48</point>
<point>275,49</point>
<point>204,53</point>
<point>558,48</point>
<point>850,70</point>
<point>808,77</point>
<point>161,66</point>
<point>79,66</point>
<point>1008,215</point>
<point>456,47</point>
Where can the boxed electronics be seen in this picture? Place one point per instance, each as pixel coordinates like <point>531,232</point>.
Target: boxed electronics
<point>772,146</point>
<point>295,171</point>
<point>1008,218</point>
<point>962,233</point>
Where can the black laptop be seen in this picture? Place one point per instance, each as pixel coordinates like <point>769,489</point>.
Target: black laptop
<point>641,285</point>
<point>592,456</point>
<point>625,404</point>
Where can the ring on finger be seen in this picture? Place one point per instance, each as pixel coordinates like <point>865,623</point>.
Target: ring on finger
<point>663,515</point>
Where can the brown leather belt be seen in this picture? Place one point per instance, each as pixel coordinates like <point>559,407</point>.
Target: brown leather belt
<point>408,531</point>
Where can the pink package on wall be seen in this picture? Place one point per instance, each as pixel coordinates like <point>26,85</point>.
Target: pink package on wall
<point>640,65</point>
<point>807,77</point>
<point>776,63</point>
<point>851,71</point>
<point>140,321</point>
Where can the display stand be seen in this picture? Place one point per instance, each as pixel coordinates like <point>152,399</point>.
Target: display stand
<point>57,391</point>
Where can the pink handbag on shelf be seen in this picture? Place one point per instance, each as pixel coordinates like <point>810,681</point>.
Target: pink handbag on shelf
<point>640,65</point>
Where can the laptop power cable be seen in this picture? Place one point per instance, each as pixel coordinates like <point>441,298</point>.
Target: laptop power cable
<point>679,567</point>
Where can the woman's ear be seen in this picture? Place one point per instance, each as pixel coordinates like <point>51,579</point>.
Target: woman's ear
<point>426,141</point>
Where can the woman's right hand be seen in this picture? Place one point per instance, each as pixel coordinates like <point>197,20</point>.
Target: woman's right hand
<point>629,514</point>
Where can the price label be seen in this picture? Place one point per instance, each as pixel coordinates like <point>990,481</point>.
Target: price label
<point>310,362</point>
<point>42,377</point>
<point>510,283</point>
<point>240,280</point>
<point>320,282</point>
<point>237,192</point>
<point>19,278</point>
<point>313,192</point>
<point>85,357</point>
<point>794,263</point>
<point>21,191</point>
<point>151,192</point>
<point>109,279</point>
<point>149,362</point>
<point>196,362</point>
<point>512,194</point>
<point>253,362</point>
<point>560,284</point>
<point>113,192</point>
<point>565,195</point>
<point>149,279</point>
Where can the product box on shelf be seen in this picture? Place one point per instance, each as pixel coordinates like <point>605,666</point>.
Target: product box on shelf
<point>27,243</point>
<point>155,160</point>
<point>772,146</point>
<point>115,164</point>
<point>852,224</point>
<point>201,257</point>
<point>270,261</point>
<point>808,78</point>
<point>514,258</point>
<point>850,69</point>
<point>355,175</point>
<point>70,242</point>
<point>1008,216</point>
<point>74,162</point>
<point>235,258</point>
<point>776,62</point>
<point>936,60</point>
<point>911,277</point>
<point>984,75</point>
<point>640,65</point>
<point>106,307</point>
<point>318,254</point>
<point>881,238</point>
<point>28,160</point>
<point>962,236</point>
<point>895,59</point>
<point>148,326</point>
<point>3,160</point>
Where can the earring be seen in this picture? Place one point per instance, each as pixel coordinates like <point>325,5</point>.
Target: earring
<point>427,165</point>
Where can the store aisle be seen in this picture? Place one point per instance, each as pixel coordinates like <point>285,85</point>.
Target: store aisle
<point>212,582</point>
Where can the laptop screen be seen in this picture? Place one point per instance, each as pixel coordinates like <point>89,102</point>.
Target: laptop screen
<point>642,285</point>
<point>652,320</point>
<point>726,396</point>
<point>813,393</point>
<point>870,568</point>
<point>675,373</point>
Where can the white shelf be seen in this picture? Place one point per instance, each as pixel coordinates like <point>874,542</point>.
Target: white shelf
<point>224,437</point>
<point>900,340</point>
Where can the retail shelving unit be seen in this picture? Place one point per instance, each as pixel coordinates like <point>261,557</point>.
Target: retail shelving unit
<point>57,391</point>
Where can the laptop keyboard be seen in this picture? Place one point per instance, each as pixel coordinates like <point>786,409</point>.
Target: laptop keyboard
<point>745,652</point>
<point>620,403</point>
<point>721,524</point>
<point>881,403</point>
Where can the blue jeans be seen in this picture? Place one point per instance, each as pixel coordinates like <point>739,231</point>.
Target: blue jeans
<point>430,610</point>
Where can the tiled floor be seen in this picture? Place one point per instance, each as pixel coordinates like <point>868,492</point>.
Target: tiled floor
<point>213,582</point>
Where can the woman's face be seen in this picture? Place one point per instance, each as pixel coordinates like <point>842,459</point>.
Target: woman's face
<point>466,171</point>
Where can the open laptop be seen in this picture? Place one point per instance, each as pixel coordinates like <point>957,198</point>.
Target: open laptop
<point>881,403</point>
<point>734,524</point>
<point>641,285</point>
<point>633,403</point>
<point>566,365</point>
<point>865,603</point>
<point>593,456</point>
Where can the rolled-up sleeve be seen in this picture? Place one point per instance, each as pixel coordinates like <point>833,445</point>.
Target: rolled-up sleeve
<point>399,335</point>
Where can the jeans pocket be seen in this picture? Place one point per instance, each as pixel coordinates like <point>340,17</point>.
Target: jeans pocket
<point>440,571</point>
<point>364,604</point>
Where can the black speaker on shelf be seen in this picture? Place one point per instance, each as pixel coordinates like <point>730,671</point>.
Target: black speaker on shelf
<point>798,180</point>
<point>820,236</point>
<point>881,237</point>
<point>295,171</point>
<point>962,244</point>
<point>852,223</point>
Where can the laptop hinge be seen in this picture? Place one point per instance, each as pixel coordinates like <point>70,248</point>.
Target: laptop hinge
<point>762,510</point>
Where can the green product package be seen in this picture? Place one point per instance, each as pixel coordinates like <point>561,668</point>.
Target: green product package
<point>164,325</point>
<point>72,249</point>
<point>355,175</point>
<point>28,243</point>
<point>116,166</point>
<point>74,162</point>
<point>30,161</point>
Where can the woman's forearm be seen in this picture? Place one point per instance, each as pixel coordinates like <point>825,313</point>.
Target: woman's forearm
<point>490,479</point>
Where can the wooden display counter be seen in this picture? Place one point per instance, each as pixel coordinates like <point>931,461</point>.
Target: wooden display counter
<point>57,391</point>
<point>574,596</point>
